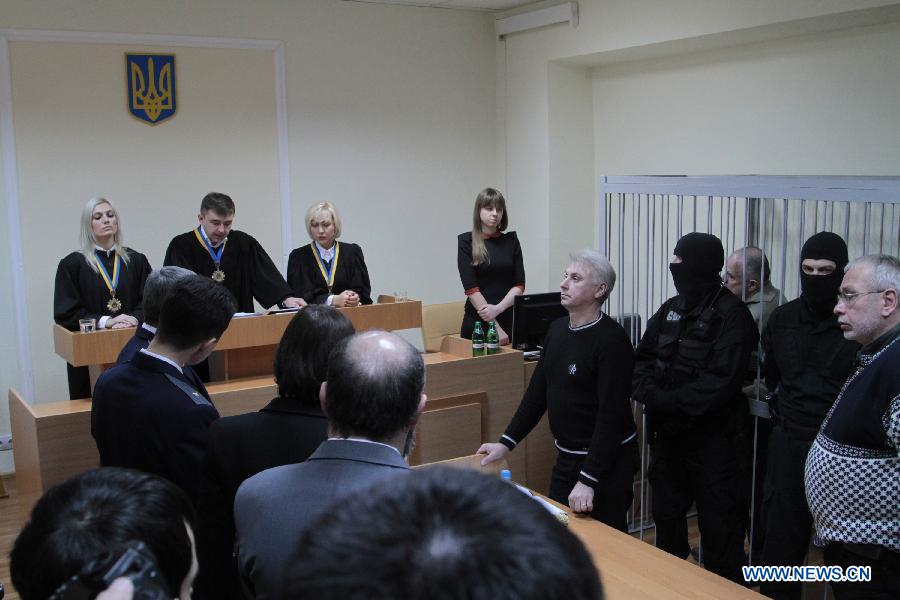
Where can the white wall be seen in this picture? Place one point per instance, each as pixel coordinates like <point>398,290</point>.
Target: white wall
<point>813,105</point>
<point>391,115</point>
<point>637,133</point>
<point>9,364</point>
<point>83,143</point>
<point>571,164</point>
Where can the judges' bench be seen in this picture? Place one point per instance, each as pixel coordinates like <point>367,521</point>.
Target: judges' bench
<point>470,400</point>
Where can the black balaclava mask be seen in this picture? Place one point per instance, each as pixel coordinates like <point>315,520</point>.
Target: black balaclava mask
<point>819,292</point>
<point>698,273</point>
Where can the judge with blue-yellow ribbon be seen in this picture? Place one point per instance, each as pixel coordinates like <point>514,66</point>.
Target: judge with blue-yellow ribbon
<point>328,271</point>
<point>103,280</point>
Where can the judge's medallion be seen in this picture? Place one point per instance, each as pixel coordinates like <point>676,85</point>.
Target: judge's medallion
<point>114,305</point>
<point>218,276</point>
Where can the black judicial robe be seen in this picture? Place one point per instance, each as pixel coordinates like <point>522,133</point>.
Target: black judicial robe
<point>305,278</point>
<point>80,293</point>
<point>249,272</point>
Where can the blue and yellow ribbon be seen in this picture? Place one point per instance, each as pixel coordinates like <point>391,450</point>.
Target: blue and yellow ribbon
<point>204,241</point>
<point>329,273</point>
<point>113,283</point>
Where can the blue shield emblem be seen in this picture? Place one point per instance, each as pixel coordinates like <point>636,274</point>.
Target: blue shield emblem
<point>151,86</point>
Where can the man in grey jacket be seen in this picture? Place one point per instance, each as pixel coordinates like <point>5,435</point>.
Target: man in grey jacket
<point>372,397</point>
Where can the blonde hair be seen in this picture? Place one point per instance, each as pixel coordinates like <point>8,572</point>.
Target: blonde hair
<point>323,207</point>
<point>488,197</point>
<point>88,241</point>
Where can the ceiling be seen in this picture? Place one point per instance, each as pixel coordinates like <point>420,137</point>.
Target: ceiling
<point>485,5</point>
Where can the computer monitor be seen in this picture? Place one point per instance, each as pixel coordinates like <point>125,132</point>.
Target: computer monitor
<point>532,315</point>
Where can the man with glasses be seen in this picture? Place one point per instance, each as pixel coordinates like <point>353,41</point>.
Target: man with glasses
<point>853,468</point>
<point>805,362</point>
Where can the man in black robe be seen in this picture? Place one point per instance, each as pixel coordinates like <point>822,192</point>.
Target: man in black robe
<point>230,257</point>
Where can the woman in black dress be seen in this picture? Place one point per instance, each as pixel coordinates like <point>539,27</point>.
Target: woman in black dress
<point>326,271</point>
<point>490,266</point>
<point>103,280</point>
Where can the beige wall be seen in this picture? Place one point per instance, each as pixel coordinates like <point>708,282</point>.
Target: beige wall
<point>75,140</point>
<point>812,105</point>
<point>391,114</point>
<point>716,70</point>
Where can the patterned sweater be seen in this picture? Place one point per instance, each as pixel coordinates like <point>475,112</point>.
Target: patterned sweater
<point>853,467</point>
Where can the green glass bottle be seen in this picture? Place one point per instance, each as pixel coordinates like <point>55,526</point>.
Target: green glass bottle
<point>493,340</point>
<point>478,340</point>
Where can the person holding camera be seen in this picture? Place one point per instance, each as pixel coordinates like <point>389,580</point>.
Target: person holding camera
<point>86,533</point>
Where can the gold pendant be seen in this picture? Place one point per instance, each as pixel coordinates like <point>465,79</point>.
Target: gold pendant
<point>114,305</point>
<point>218,276</point>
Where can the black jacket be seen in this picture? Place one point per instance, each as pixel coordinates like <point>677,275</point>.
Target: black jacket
<point>690,363</point>
<point>141,339</point>
<point>147,415</point>
<point>239,447</point>
<point>805,362</point>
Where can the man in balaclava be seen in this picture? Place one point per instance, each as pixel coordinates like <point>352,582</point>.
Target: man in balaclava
<point>806,360</point>
<point>688,372</point>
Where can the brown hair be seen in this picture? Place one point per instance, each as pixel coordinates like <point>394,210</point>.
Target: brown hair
<point>488,197</point>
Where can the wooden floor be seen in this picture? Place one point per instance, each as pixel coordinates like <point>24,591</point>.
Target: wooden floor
<point>11,522</point>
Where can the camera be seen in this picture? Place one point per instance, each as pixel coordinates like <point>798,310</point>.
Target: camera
<point>132,560</point>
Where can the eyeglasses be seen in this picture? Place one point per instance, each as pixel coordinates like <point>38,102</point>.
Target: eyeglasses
<point>852,296</point>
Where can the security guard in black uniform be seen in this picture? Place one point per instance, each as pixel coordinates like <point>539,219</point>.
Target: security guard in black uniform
<point>688,374</point>
<point>806,362</point>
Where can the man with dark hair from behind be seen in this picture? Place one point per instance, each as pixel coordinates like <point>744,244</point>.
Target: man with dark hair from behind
<point>441,534</point>
<point>151,413</point>
<point>372,396</point>
<point>156,288</point>
<point>96,512</point>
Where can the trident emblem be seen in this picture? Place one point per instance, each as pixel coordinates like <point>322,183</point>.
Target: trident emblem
<point>151,86</point>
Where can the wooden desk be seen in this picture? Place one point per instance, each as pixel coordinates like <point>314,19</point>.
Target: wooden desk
<point>631,569</point>
<point>248,345</point>
<point>470,401</point>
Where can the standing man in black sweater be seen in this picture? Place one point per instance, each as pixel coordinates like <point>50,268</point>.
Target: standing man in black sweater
<point>583,381</point>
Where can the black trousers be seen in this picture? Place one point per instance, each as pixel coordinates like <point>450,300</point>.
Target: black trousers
<point>79,382</point>
<point>885,583</point>
<point>612,495</point>
<point>702,467</point>
<point>788,522</point>
<point>754,475</point>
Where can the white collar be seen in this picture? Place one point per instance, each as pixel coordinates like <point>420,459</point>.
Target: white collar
<point>586,325</point>
<point>165,359</point>
<point>149,328</point>
<point>326,254</point>
<point>99,248</point>
<point>365,441</point>
<point>209,241</point>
